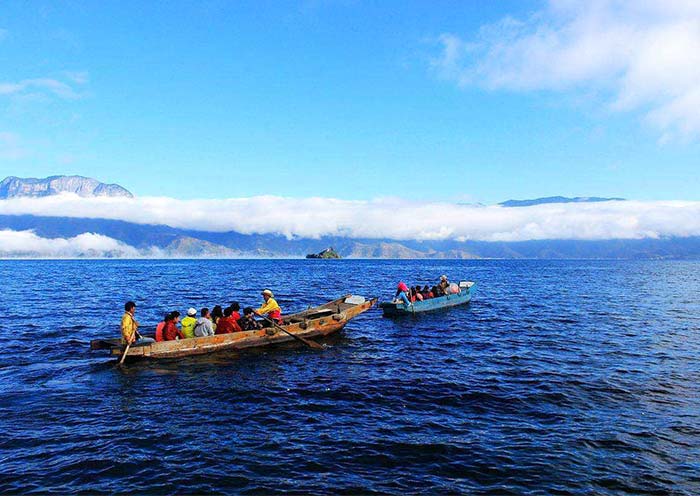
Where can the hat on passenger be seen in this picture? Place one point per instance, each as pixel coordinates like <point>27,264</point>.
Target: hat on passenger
<point>191,312</point>
<point>267,292</point>
<point>443,278</point>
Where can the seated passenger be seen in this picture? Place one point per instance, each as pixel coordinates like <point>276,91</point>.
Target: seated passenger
<point>204,326</point>
<point>248,322</point>
<point>426,292</point>
<point>228,323</point>
<point>418,293</point>
<point>236,309</point>
<point>402,294</point>
<point>189,322</point>
<point>170,330</point>
<point>437,292</point>
<point>160,326</point>
<point>216,314</point>
<point>270,307</point>
<point>444,284</point>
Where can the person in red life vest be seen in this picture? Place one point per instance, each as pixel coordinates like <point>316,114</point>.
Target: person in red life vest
<point>161,326</point>
<point>417,292</point>
<point>426,293</point>
<point>170,331</point>
<point>270,307</point>
<point>227,324</point>
<point>236,310</point>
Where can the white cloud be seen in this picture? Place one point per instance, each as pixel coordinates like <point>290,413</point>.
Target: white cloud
<point>382,218</point>
<point>641,55</point>
<point>43,86</point>
<point>27,243</point>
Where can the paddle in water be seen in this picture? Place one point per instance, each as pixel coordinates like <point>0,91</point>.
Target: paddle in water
<point>307,342</point>
<point>126,350</point>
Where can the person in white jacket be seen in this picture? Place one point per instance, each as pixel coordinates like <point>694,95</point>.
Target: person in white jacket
<point>204,325</point>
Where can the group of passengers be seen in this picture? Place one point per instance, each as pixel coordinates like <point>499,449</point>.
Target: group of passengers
<point>413,294</point>
<point>218,320</point>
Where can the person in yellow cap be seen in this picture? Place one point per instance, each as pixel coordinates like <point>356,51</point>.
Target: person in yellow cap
<point>270,307</point>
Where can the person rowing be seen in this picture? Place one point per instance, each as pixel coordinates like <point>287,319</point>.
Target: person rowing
<point>270,307</point>
<point>130,327</point>
<point>402,294</point>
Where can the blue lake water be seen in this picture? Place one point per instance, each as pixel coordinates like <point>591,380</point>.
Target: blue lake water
<point>560,377</point>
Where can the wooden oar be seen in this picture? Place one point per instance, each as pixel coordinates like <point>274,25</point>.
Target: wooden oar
<point>307,342</point>
<point>128,345</point>
<point>126,350</point>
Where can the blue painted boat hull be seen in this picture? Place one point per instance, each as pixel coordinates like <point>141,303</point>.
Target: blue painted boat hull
<point>391,309</point>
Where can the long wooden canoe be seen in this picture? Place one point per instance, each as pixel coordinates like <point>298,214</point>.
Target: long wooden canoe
<point>393,308</point>
<point>315,322</point>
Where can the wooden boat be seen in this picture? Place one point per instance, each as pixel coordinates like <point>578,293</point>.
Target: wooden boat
<point>467,289</point>
<point>315,322</point>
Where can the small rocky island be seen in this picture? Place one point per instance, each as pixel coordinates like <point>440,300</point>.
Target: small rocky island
<point>327,253</point>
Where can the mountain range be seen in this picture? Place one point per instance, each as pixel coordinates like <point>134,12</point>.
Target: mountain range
<point>166,241</point>
<point>15,187</point>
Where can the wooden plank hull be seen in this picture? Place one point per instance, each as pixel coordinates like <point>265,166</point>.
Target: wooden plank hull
<point>313,323</point>
<point>392,309</point>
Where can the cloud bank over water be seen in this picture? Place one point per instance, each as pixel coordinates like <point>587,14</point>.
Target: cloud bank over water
<point>26,243</point>
<point>388,218</point>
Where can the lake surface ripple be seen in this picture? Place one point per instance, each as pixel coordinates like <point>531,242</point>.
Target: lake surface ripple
<point>560,377</point>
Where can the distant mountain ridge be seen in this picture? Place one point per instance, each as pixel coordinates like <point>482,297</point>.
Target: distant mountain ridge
<point>16,187</point>
<point>556,199</point>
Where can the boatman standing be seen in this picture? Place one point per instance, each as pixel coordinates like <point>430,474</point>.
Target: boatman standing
<point>270,307</point>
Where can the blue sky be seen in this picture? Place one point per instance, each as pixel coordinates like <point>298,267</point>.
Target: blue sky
<point>351,100</point>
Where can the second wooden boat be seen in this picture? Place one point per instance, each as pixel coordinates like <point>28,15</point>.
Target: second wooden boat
<point>393,308</point>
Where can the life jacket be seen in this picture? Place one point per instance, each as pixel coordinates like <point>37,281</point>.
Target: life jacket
<point>188,324</point>
<point>275,315</point>
<point>170,331</point>
<point>159,331</point>
<point>227,325</point>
